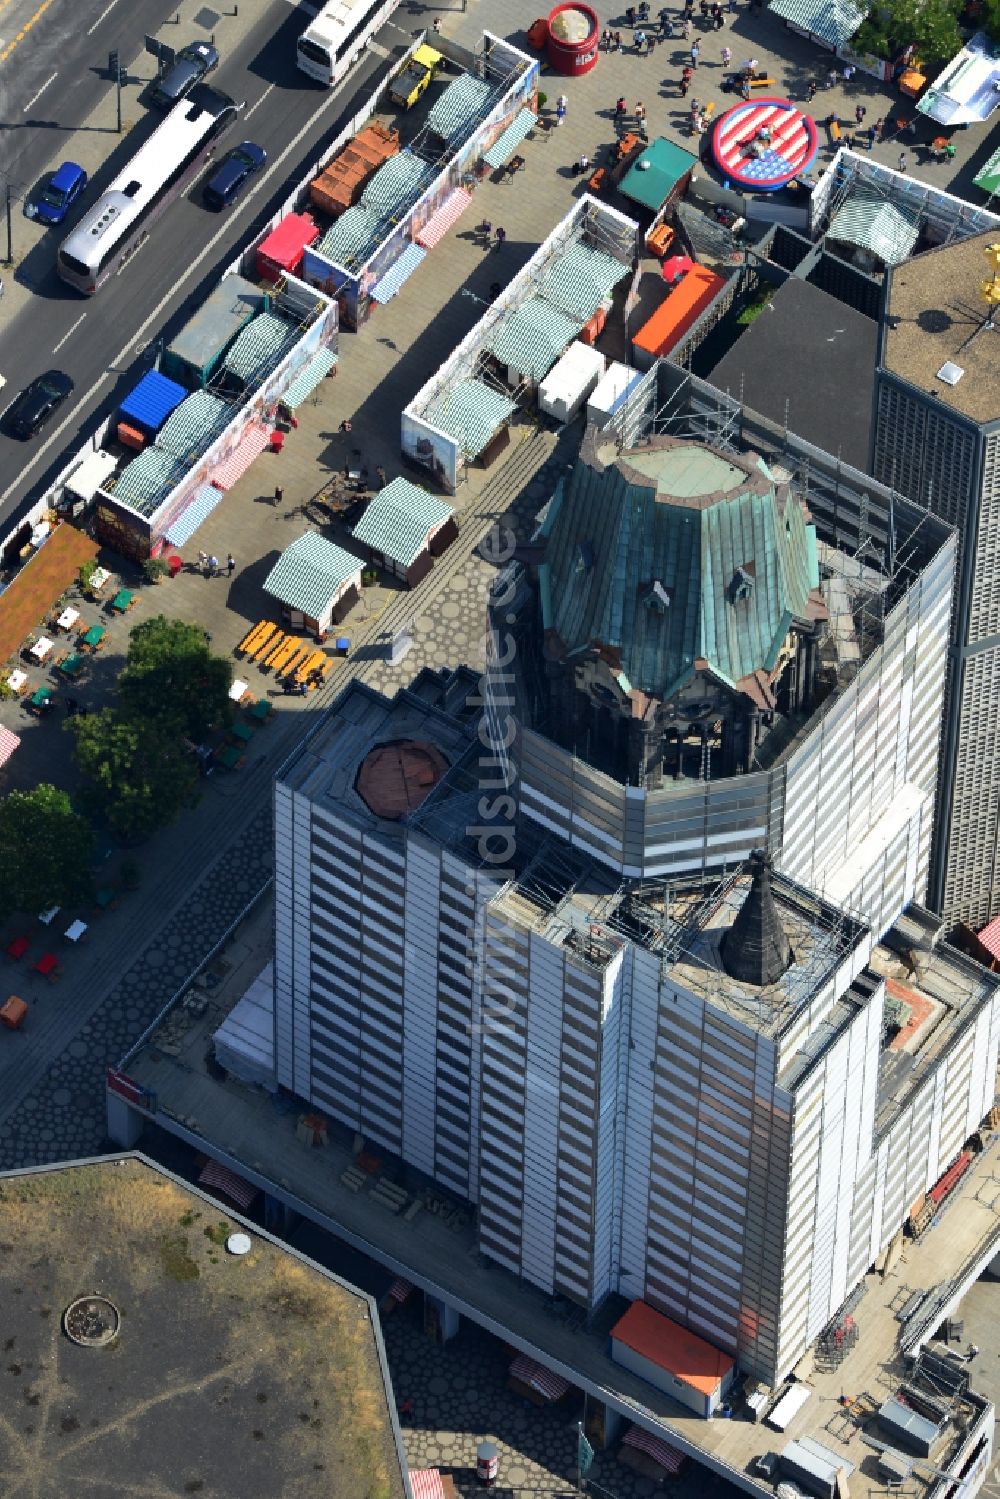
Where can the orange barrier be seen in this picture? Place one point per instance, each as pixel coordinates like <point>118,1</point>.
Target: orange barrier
<point>676,314</point>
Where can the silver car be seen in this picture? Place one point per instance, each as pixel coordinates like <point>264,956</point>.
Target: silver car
<point>190,65</point>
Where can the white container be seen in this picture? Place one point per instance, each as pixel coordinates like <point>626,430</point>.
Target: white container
<point>569,382</point>
<point>611,392</point>
<point>84,482</point>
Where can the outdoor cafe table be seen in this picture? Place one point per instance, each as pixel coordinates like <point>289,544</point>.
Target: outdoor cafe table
<point>68,619</point>
<point>123,600</point>
<point>98,578</point>
<point>93,637</point>
<point>75,931</point>
<point>242,731</point>
<point>41,647</point>
<point>71,666</point>
<point>17,680</point>
<point>42,697</point>
<point>236,692</point>
<point>104,897</point>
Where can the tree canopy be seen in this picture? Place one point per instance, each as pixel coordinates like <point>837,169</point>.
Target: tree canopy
<point>931,25</point>
<point>47,849</point>
<point>139,774</point>
<point>172,677</point>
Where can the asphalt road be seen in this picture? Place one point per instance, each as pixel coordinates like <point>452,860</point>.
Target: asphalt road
<point>106,341</point>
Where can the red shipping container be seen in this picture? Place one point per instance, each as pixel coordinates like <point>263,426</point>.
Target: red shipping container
<point>285,246</point>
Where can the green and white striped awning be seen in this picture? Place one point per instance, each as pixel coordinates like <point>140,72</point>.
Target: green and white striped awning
<point>532,338</point>
<point>144,483</point>
<point>503,146</point>
<point>472,412</point>
<point>872,224</point>
<point>831,21</point>
<point>310,574</point>
<point>454,111</point>
<point>397,181</point>
<point>194,426</point>
<point>579,279</point>
<point>399,519</point>
<point>989,177</point>
<point>261,347</point>
<point>307,380</point>
<point>346,242</point>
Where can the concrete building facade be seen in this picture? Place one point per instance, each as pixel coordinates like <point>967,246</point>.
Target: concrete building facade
<point>936,438</point>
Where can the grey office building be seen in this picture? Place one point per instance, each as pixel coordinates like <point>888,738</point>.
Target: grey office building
<point>937,440</point>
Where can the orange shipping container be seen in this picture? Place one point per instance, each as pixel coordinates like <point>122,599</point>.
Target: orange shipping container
<point>676,314</point>
<point>339,185</point>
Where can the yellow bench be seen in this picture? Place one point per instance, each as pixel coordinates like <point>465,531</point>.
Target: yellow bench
<point>270,647</point>
<point>251,635</point>
<point>281,657</point>
<point>295,660</point>
<point>264,642</point>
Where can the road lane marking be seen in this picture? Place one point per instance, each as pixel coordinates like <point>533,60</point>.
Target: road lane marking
<point>331,100</point>
<point>39,13</point>
<point>260,101</point>
<point>41,91</point>
<point>105,12</point>
<point>65,336</point>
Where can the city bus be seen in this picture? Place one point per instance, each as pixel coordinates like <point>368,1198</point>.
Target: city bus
<point>118,225</point>
<point>334,38</point>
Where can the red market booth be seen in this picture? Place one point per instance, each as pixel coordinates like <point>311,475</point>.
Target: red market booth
<point>675,315</point>
<point>571,39</point>
<point>285,246</point>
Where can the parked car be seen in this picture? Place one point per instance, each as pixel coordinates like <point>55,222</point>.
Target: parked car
<point>190,65</point>
<point>228,178</point>
<point>60,193</point>
<point>29,411</point>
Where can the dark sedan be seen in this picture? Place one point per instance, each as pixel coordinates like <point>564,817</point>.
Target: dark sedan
<point>228,178</point>
<point>29,412</point>
<point>191,64</point>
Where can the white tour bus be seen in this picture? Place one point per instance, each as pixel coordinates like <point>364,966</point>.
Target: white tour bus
<point>334,38</point>
<point>118,224</point>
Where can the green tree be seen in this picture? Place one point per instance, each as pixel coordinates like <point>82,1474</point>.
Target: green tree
<point>46,851</point>
<point>139,775</point>
<point>931,25</point>
<point>171,676</point>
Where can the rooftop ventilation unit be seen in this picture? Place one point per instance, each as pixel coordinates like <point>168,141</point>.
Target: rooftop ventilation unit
<point>950,373</point>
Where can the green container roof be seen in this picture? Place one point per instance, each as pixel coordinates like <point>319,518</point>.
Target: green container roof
<point>653,176</point>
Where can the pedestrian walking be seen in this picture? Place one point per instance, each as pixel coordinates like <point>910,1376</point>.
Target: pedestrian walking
<point>732,7</point>
<point>666,26</point>
<point>695,49</point>
<point>703,7</point>
<point>902,162</point>
<point>618,41</point>
<point>230,564</point>
<point>687,27</point>
<point>562,103</point>
<point>878,128</point>
<point>621,108</point>
<point>831,78</point>
<point>973,1352</point>
<point>640,41</point>
<point>501,236</point>
<point>213,567</point>
<point>640,113</point>
<point>202,561</point>
<point>859,114</point>
<point>727,56</point>
<point>719,18</point>
<point>437,25</point>
<point>685,85</point>
<point>872,136</point>
<point>849,71</point>
<point>560,113</point>
<point>813,89</point>
<point>279,495</point>
<point>606,39</point>
<point>380,473</point>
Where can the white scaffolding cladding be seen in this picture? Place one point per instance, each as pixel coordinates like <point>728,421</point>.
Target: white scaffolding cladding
<point>452,420</point>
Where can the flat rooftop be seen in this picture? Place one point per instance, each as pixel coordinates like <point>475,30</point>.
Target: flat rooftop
<point>255,1375</point>
<point>807,362</point>
<point>935,303</point>
<point>256,1134</point>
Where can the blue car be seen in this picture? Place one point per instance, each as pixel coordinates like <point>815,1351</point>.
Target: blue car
<point>60,193</point>
<point>232,172</point>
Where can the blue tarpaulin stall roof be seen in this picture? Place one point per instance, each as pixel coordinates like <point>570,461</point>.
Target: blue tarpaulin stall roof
<point>150,403</point>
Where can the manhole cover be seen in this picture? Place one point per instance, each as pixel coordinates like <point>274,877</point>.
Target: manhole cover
<point>91,1321</point>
